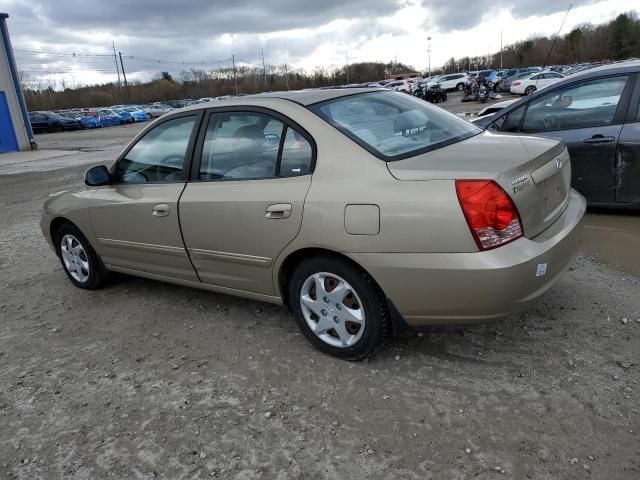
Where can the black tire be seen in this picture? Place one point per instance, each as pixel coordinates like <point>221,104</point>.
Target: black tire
<point>97,273</point>
<point>377,328</point>
<point>55,128</point>
<point>460,87</point>
<point>529,90</point>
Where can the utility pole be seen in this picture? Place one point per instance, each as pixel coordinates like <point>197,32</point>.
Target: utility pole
<point>264,69</point>
<point>346,56</point>
<point>286,75</point>
<point>124,76</point>
<point>235,73</point>
<point>115,60</point>
<point>429,53</point>
<point>500,49</point>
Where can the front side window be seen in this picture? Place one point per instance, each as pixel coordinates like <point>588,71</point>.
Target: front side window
<point>392,125</point>
<point>511,122</point>
<point>159,156</point>
<point>591,103</point>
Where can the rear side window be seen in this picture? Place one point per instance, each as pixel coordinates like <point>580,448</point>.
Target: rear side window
<point>394,125</point>
<point>240,146</point>
<point>251,146</point>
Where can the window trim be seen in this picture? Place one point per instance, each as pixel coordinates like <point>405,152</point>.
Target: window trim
<point>188,157</point>
<point>633,112</point>
<point>194,174</point>
<point>618,116</point>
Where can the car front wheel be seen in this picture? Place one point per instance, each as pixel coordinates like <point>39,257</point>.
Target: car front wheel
<point>79,261</point>
<point>339,308</point>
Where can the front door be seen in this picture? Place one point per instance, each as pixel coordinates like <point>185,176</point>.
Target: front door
<point>587,116</point>
<point>246,199</point>
<point>135,219</point>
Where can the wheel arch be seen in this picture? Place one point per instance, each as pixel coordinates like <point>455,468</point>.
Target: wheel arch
<point>55,225</point>
<point>294,258</point>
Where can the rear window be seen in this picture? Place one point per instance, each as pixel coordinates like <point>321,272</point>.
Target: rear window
<point>394,125</point>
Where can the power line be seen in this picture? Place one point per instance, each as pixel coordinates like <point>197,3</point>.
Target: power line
<point>64,54</point>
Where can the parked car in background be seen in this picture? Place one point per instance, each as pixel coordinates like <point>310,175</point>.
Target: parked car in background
<point>108,118</point>
<point>505,84</point>
<point>89,119</point>
<point>454,81</point>
<point>42,122</point>
<point>139,115</point>
<point>491,109</point>
<point>180,103</point>
<point>533,82</point>
<point>399,86</point>
<point>596,113</point>
<point>517,71</point>
<point>466,247</point>
<point>157,109</point>
<point>125,117</point>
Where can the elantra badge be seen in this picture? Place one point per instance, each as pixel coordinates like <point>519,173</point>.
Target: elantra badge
<point>520,183</point>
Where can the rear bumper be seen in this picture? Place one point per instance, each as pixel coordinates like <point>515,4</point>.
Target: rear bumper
<point>441,288</point>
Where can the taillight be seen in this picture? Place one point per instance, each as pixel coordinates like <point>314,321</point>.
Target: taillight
<point>490,213</point>
<point>515,84</point>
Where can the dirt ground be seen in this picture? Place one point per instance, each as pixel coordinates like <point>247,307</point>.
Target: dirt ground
<point>148,380</point>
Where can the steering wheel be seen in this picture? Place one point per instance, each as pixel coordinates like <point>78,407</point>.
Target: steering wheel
<point>551,122</point>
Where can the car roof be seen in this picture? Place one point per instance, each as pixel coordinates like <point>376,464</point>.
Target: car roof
<point>301,97</point>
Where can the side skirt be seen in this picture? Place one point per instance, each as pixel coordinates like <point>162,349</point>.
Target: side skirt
<point>202,286</point>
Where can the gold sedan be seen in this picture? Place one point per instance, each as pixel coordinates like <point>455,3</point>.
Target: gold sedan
<point>362,210</point>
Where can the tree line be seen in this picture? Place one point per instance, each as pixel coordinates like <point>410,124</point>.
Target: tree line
<point>615,40</point>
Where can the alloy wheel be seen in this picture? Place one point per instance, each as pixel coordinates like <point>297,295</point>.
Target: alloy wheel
<point>74,258</point>
<point>332,309</point>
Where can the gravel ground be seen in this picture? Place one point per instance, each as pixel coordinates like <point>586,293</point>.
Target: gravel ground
<point>143,379</point>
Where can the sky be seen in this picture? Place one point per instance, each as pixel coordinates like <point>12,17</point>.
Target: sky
<point>72,40</point>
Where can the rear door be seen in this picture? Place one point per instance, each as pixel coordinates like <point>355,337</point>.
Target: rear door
<point>628,158</point>
<point>245,201</point>
<point>588,117</point>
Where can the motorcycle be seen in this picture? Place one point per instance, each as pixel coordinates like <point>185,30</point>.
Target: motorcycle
<point>435,93</point>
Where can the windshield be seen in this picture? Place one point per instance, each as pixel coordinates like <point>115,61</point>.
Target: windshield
<point>394,125</point>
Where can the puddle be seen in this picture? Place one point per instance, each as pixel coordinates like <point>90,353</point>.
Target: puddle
<point>614,238</point>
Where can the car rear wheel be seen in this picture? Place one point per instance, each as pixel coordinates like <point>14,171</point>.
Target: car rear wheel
<point>529,90</point>
<point>339,308</point>
<point>79,261</point>
<point>55,128</point>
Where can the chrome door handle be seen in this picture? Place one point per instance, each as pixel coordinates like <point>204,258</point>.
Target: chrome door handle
<point>160,210</point>
<point>278,210</point>
<point>599,139</point>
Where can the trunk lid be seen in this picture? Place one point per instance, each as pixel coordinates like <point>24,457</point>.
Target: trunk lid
<point>535,172</point>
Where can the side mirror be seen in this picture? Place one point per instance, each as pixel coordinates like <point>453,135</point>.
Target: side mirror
<point>97,176</point>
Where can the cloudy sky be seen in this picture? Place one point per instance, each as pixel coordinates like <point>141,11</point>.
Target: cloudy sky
<point>72,39</point>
